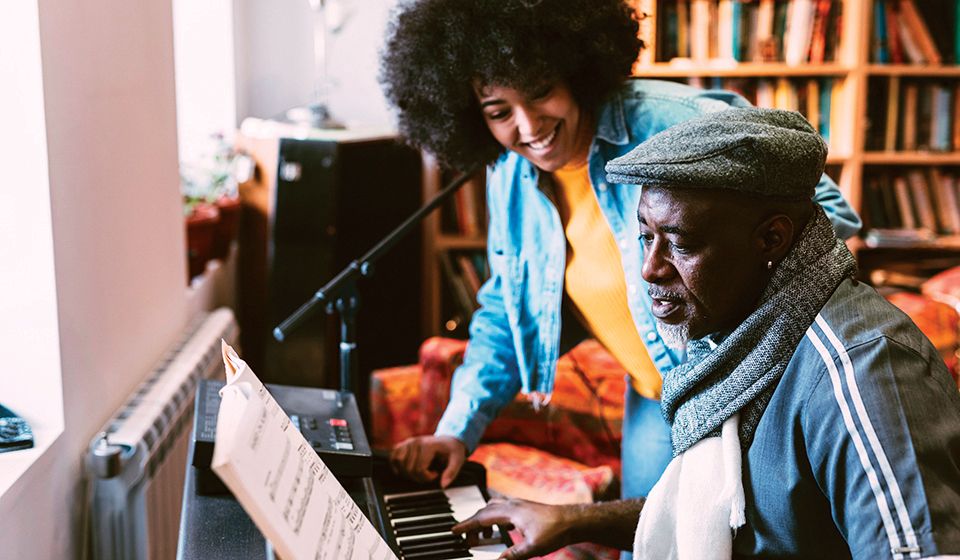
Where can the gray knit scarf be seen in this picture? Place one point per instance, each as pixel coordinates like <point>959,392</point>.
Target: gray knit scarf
<point>741,373</point>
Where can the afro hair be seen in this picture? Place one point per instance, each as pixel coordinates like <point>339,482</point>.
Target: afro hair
<point>436,50</point>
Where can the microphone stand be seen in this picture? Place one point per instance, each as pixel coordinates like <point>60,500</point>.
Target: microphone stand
<point>340,294</point>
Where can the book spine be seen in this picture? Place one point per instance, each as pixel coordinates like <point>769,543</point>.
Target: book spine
<point>893,111</point>
<point>919,31</point>
<point>904,203</point>
<point>879,51</point>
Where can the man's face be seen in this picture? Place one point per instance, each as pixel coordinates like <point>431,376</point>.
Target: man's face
<point>701,259</point>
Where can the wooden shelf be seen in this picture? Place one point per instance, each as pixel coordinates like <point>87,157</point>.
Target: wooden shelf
<point>732,70</point>
<point>920,70</point>
<point>911,158</point>
<point>446,241</point>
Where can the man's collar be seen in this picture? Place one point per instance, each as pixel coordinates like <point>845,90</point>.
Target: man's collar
<point>612,122</point>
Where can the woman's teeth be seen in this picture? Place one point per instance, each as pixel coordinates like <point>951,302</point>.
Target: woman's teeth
<point>544,142</point>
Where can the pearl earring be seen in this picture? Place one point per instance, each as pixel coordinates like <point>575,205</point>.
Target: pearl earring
<point>769,265</point>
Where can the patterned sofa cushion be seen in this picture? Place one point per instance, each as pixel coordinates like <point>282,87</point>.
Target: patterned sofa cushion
<point>582,422</point>
<point>518,471</point>
<point>938,321</point>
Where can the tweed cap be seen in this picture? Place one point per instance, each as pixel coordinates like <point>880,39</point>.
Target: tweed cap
<point>767,152</point>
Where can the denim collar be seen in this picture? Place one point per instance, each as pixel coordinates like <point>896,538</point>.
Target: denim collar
<point>612,122</point>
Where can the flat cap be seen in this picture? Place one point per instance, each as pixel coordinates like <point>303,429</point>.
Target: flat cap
<point>767,152</point>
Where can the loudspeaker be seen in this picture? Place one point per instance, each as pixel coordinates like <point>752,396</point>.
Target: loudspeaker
<point>316,205</point>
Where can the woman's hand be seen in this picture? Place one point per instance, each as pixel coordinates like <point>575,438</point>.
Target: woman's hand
<point>422,458</point>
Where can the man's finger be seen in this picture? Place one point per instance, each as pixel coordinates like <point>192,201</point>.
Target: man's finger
<point>486,517</point>
<point>521,551</point>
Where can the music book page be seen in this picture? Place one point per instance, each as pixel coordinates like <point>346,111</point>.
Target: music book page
<point>289,493</point>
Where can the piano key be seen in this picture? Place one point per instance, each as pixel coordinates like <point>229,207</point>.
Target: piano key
<point>438,555</point>
<point>426,529</point>
<point>460,502</point>
<point>419,511</point>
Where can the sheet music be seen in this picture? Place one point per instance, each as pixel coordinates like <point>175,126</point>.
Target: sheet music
<point>292,497</point>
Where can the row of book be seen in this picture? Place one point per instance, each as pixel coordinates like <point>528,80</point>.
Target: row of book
<point>790,31</point>
<point>913,114</point>
<point>463,272</point>
<point>915,32</point>
<point>813,97</point>
<point>466,215</point>
<point>905,203</point>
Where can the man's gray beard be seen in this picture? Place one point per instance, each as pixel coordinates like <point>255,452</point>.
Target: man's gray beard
<point>674,336</point>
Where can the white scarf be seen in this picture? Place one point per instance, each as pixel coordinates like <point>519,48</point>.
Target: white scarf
<point>693,511</point>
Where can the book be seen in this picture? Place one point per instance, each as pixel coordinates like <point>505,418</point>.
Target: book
<point>470,274</point>
<point>941,119</point>
<point>818,40</point>
<point>918,31</point>
<point>766,47</point>
<point>798,33</point>
<point>893,112</point>
<point>826,99</point>
<point>700,30</point>
<point>912,53</point>
<point>911,94</point>
<point>948,200</point>
<point>904,203</point>
<point>464,301</point>
<point>944,201</point>
<point>893,32</point>
<point>726,30</point>
<point>291,496</point>
<point>920,194</point>
<point>888,198</point>
<point>683,28</point>
<point>813,102</point>
<point>879,52</point>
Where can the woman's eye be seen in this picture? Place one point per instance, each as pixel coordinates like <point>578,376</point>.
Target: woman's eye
<point>542,93</point>
<point>497,115</point>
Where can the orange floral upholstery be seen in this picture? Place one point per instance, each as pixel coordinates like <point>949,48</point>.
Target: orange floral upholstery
<point>938,321</point>
<point>395,405</point>
<point>944,287</point>
<point>531,474</point>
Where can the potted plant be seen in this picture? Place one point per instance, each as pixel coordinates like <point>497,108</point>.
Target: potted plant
<point>211,202</point>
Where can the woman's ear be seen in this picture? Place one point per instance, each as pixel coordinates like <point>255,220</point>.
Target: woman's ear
<point>774,237</point>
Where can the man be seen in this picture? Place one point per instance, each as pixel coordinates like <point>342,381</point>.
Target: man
<point>811,419</point>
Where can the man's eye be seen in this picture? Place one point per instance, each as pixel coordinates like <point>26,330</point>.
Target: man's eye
<point>678,248</point>
<point>646,238</point>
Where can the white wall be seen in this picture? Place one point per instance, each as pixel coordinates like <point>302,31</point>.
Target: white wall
<point>117,236</point>
<point>274,41</point>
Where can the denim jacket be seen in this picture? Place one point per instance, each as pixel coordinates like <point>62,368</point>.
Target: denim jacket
<point>515,335</point>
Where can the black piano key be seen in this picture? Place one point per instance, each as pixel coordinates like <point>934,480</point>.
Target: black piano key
<point>399,499</point>
<point>416,512</point>
<point>452,542</point>
<point>418,505</point>
<point>416,522</point>
<point>425,529</point>
<point>438,555</point>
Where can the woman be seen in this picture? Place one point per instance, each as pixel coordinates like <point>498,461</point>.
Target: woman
<point>539,92</point>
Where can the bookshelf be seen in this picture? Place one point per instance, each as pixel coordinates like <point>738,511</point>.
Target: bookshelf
<point>846,82</point>
<point>454,252</point>
<point>863,61</point>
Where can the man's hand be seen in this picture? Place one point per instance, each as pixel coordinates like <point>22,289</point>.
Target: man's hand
<point>545,528</point>
<point>418,457</point>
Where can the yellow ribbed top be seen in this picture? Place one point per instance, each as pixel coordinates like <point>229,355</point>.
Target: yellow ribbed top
<point>594,278</point>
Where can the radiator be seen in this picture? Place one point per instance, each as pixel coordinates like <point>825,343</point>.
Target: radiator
<point>136,464</point>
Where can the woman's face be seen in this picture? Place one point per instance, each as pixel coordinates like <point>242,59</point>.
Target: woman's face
<point>548,128</point>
